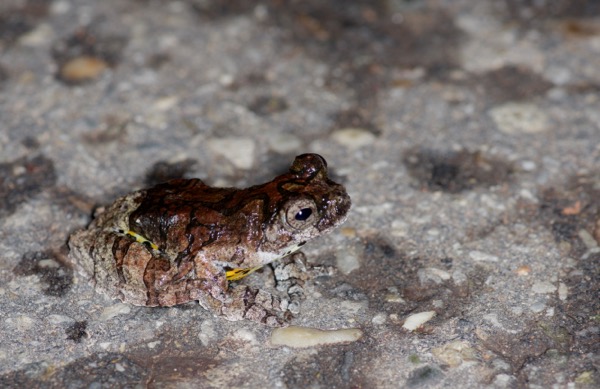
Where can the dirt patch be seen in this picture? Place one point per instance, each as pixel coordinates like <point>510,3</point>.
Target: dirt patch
<point>76,331</point>
<point>22,179</point>
<point>456,171</point>
<point>56,277</point>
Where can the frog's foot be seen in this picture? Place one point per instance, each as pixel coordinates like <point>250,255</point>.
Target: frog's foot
<point>291,273</point>
<point>245,302</point>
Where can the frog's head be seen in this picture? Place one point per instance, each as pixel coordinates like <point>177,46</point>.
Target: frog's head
<point>310,204</point>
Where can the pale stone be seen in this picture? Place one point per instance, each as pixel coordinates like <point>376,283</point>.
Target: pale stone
<point>515,118</point>
<point>454,353</point>
<point>537,306</point>
<point>459,277</point>
<point>114,310</point>
<point>542,287</point>
<point>379,319</point>
<point>299,337</point>
<point>418,319</point>
<point>58,319</point>
<point>39,36</point>
<point>563,291</point>
<point>587,239</point>
<point>166,103</point>
<point>152,345</point>
<point>347,260</point>
<point>480,256</point>
<point>353,138</point>
<point>433,274</point>
<point>238,151</point>
<point>284,143</point>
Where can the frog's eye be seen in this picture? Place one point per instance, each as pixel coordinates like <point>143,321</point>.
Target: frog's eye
<point>301,213</point>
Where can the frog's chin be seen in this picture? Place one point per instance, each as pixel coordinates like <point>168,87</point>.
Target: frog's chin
<point>268,257</point>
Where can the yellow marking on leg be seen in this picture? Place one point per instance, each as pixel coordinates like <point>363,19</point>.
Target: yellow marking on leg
<point>140,239</point>
<point>238,274</point>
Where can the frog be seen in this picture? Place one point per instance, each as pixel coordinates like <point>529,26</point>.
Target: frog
<point>183,241</point>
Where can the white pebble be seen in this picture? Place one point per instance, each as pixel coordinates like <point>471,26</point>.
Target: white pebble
<point>459,277</point>
<point>353,138</point>
<point>433,274</point>
<point>514,118</point>
<point>563,291</point>
<point>480,256</point>
<point>346,260</point>
<point>379,319</point>
<point>542,287</point>
<point>538,306</point>
<point>587,239</point>
<point>284,143</point>
<point>298,337</point>
<point>165,103</point>
<point>114,310</point>
<point>238,151</point>
<point>418,319</point>
<point>58,319</point>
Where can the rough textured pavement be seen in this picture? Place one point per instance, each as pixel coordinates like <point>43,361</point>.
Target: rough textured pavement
<point>467,133</point>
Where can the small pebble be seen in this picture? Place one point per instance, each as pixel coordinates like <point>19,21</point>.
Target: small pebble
<point>433,274</point>
<point>114,310</point>
<point>379,319</point>
<point>454,353</point>
<point>523,270</point>
<point>542,287</point>
<point>39,36</point>
<point>298,337</point>
<point>538,306</point>
<point>24,323</point>
<point>563,291</point>
<point>239,151</point>
<point>284,143</point>
<point>528,166</point>
<point>347,260</point>
<point>480,256</point>
<point>587,239</point>
<point>152,345</point>
<point>515,118</point>
<point>353,138</point>
<point>165,103</point>
<point>82,69</point>
<point>504,381</point>
<point>58,319</point>
<point>348,232</point>
<point>417,320</point>
<point>459,277</point>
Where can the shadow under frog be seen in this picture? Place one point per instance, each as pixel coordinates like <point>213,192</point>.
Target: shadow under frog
<point>183,240</point>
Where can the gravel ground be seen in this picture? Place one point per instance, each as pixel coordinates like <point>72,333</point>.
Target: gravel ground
<point>466,132</point>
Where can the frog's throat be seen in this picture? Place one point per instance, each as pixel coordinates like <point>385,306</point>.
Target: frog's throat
<point>239,273</point>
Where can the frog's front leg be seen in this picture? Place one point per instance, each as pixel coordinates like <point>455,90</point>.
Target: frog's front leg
<point>246,302</point>
<point>292,272</point>
<point>235,302</point>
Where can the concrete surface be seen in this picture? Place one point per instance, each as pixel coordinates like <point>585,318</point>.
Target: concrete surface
<point>467,133</point>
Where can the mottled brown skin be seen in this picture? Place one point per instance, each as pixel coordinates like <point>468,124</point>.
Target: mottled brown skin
<point>200,233</point>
